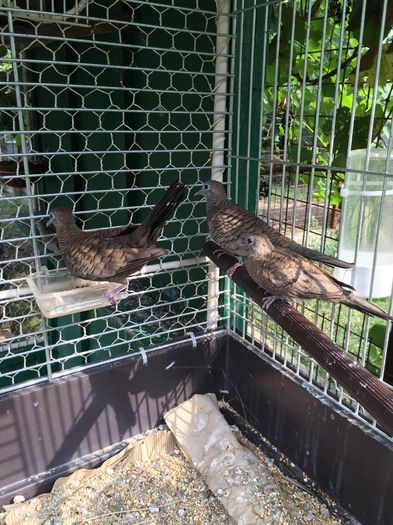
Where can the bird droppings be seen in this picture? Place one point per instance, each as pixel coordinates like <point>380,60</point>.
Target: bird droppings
<point>164,490</point>
<point>19,498</point>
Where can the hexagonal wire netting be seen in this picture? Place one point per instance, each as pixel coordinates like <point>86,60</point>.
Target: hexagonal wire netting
<point>102,107</point>
<point>104,104</point>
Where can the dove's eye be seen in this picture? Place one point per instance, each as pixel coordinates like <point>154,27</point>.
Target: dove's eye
<point>249,240</point>
<point>206,187</point>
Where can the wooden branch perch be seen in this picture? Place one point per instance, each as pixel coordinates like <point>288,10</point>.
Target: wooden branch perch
<point>370,392</point>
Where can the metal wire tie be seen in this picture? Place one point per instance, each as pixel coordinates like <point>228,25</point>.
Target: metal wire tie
<point>143,354</point>
<point>193,339</point>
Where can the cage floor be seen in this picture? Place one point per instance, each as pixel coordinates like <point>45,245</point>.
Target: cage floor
<point>151,482</point>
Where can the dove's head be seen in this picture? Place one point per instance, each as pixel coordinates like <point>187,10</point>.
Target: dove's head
<point>255,245</point>
<point>213,190</point>
<point>61,216</point>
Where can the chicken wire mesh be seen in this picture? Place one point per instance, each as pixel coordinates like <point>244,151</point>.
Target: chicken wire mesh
<point>105,103</point>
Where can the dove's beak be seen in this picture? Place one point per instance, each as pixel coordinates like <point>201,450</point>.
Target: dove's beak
<point>199,192</point>
<point>50,222</point>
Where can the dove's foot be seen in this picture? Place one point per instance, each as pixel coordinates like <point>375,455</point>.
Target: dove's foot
<point>268,301</point>
<point>233,269</point>
<point>113,293</point>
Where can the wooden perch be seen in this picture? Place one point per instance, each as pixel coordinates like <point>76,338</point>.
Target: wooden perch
<point>370,392</point>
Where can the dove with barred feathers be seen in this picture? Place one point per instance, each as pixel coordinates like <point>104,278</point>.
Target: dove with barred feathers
<point>228,221</point>
<point>287,275</point>
<point>116,253</point>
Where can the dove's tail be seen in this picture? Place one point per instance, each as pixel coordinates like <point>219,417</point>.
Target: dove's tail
<point>150,229</point>
<point>364,306</point>
<point>314,255</point>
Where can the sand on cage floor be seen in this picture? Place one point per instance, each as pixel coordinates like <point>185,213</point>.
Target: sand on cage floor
<point>161,489</point>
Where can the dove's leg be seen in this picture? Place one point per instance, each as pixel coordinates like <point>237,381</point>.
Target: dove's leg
<point>268,301</point>
<point>113,293</point>
<point>233,269</point>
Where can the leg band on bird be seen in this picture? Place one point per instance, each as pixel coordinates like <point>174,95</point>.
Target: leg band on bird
<point>113,293</point>
<point>233,269</point>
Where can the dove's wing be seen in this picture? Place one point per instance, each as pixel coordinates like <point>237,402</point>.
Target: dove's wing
<point>105,259</point>
<point>309,281</point>
<point>283,273</point>
<point>228,225</point>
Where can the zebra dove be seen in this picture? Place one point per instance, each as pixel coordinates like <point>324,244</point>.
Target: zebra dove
<point>228,221</point>
<point>287,275</point>
<point>115,253</point>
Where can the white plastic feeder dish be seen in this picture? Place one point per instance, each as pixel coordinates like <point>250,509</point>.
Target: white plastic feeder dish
<point>362,195</point>
<point>58,293</point>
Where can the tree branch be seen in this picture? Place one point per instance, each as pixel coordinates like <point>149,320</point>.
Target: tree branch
<point>343,65</point>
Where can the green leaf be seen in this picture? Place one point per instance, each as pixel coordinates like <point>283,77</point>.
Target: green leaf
<point>287,21</point>
<point>335,197</point>
<point>328,90</point>
<point>377,334</point>
<point>375,356</point>
<point>368,66</point>
<point>316,30</point>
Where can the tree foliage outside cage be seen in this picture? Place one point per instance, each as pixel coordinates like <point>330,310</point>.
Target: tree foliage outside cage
<point>326,50</point>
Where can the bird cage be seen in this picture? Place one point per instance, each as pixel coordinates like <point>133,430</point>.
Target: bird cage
<point>103,105</point>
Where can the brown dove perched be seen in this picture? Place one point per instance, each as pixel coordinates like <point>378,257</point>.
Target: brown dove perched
<point>228,221</point>
<point>116,253</point>
<point>288,275</point>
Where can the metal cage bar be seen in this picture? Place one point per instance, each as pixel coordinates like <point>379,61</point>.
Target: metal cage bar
<point>292,120</point>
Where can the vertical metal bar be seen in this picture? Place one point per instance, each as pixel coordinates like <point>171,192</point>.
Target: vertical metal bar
<point>274,109</point>
<point>29,185</point>
<point>354,101</point>
<point>235,183</point>
<point>316,122</point>
<point>331,149</point>
<point>301,116</point>
<point>240,25</point>
<point>220,103</point>
<point>263,80</point>
<point>387,359</point>
<point>300,133</point>
<point>314,148</point>
<point>234,58</point>
<point>286,135</point>
<point>249,145</point>
<point>334,117</point>
<point>388,170</point>
<point>250,100</point>
<point>287,112</point>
